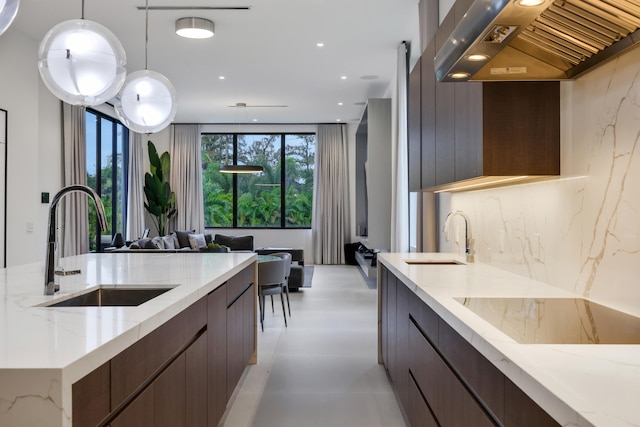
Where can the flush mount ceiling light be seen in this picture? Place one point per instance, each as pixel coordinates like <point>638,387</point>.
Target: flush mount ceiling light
<point>8,11</point>
<point>194,28</point>
<point>147,101</point>
<point>82,62</point>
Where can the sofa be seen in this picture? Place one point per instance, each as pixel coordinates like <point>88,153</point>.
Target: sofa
<point>186,241</point>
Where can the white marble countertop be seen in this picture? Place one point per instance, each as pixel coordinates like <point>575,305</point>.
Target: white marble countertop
<point>44,350</point>
<point>577,384</point>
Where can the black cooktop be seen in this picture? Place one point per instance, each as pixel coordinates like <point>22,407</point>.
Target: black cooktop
<point>556,320</point>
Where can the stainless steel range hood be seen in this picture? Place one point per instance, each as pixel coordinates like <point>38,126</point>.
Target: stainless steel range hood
<point>555,40</point>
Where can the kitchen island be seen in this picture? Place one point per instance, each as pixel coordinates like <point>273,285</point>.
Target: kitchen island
<point>423,310</point>
<point>45,352</point>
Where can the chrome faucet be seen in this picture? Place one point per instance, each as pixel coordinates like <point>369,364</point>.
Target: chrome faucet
<point>468,241</point>
<point>51,261</point>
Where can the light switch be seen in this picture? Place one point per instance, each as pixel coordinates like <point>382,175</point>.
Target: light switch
<point>29,227</point>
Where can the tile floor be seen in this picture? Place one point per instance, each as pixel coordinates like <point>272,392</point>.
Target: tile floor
<point>322,369</point>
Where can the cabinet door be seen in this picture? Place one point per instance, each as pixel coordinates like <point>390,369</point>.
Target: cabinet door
<point>217,354</point>
<point>196,382</point>
<point>418,411</point>
<point>445,133</point>
<point>484,378</point>
<point>139,413</point>
<point>401,372</point>
<point>391,325</point>
<point>468,130</point>
<point>235,344</point>
<point>91,397</point>
<point>414,116</point>
<point>170,391</point>
<point>428,100</point>
<point>383,355</point>
<point>162,403</point>
<point>451,402</point>
<point>249,318</point>
<point>521,411</point>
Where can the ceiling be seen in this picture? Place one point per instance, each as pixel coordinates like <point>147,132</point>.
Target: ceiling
<point>267,54</point>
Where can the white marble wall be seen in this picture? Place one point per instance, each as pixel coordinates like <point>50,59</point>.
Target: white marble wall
<point>580,232</point>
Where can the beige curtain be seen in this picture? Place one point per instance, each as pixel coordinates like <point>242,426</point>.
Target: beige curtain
<point>186,177</point>
<point>400,161</point>
<point>73,224</point>
<point>135,191</point>
<point>330,227</point>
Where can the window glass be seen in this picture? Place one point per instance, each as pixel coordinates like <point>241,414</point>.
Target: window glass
<point>257,200</point>
<point>106,146</point>
<point>217,187</point>
<point>299,161</point>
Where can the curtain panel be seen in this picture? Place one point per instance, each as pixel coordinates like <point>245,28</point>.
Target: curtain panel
<point>135,192</point>
<point>400,160</point>
<point>186,177</point>
<point>331,213</point>
<point>73,224</point>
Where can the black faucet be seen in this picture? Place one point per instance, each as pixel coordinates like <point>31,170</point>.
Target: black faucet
<point>50,287</point>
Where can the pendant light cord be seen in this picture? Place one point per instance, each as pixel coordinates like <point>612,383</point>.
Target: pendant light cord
<point>146,33</point>
<point>82,9</point>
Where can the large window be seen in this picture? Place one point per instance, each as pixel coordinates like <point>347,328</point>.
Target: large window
<point>280,197</point>
<point>107,159</point>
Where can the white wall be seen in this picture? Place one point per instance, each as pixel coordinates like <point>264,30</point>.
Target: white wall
<point>33,147</point>
<point>580,232</point>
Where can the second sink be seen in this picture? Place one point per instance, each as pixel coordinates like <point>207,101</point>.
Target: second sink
<point>112,296</point>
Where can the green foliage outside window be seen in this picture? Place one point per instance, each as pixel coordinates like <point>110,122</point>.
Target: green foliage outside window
<point>259,197</point>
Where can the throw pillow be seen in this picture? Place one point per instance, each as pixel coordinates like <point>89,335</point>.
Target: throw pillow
<point>235,243</point>
<point>197,241</point>
<point>158,242</point>
<point>183,237</point>
<point>169,242</point>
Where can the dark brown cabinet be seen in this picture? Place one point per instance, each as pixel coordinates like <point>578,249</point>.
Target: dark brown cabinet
<point>440,378</point>
<point>414,118</point>
<point>181,374</point>
<point>478,131</point>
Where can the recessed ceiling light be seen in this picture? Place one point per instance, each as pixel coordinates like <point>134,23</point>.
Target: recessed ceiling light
<point>360,103</point>
<point>255,120</point>
<point>221,77</point>
<point>320,44</point>
<point>337,120</point>
<point>343,77</point>
<point>194,28</point>
<point>340,103</point>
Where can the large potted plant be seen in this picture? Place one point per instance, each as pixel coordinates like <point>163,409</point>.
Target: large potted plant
<point>161,201</point>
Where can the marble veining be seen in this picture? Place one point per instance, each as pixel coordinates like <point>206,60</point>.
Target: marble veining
<point>577,384</point>
<point>581,231</point>
<point>46,349</point>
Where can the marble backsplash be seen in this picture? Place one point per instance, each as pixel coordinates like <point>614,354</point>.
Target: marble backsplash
<point>581,231</point>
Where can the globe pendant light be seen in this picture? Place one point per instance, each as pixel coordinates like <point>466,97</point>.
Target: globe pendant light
<point>147,101</point>
<point>8,12</point>
<point>82,62</point>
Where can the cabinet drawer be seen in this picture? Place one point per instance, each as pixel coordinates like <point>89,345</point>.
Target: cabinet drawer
<point>426,319</point>
<point>480,374</point>
<point>451,402</point>
<point>136,364</point>
<point>418,411</point>
<point>238,284</point>
<point>521,411</point>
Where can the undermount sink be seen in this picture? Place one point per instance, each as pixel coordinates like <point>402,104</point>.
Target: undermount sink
<point>556,320</point>
<point>112,296</point>
<point>434,261</point>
